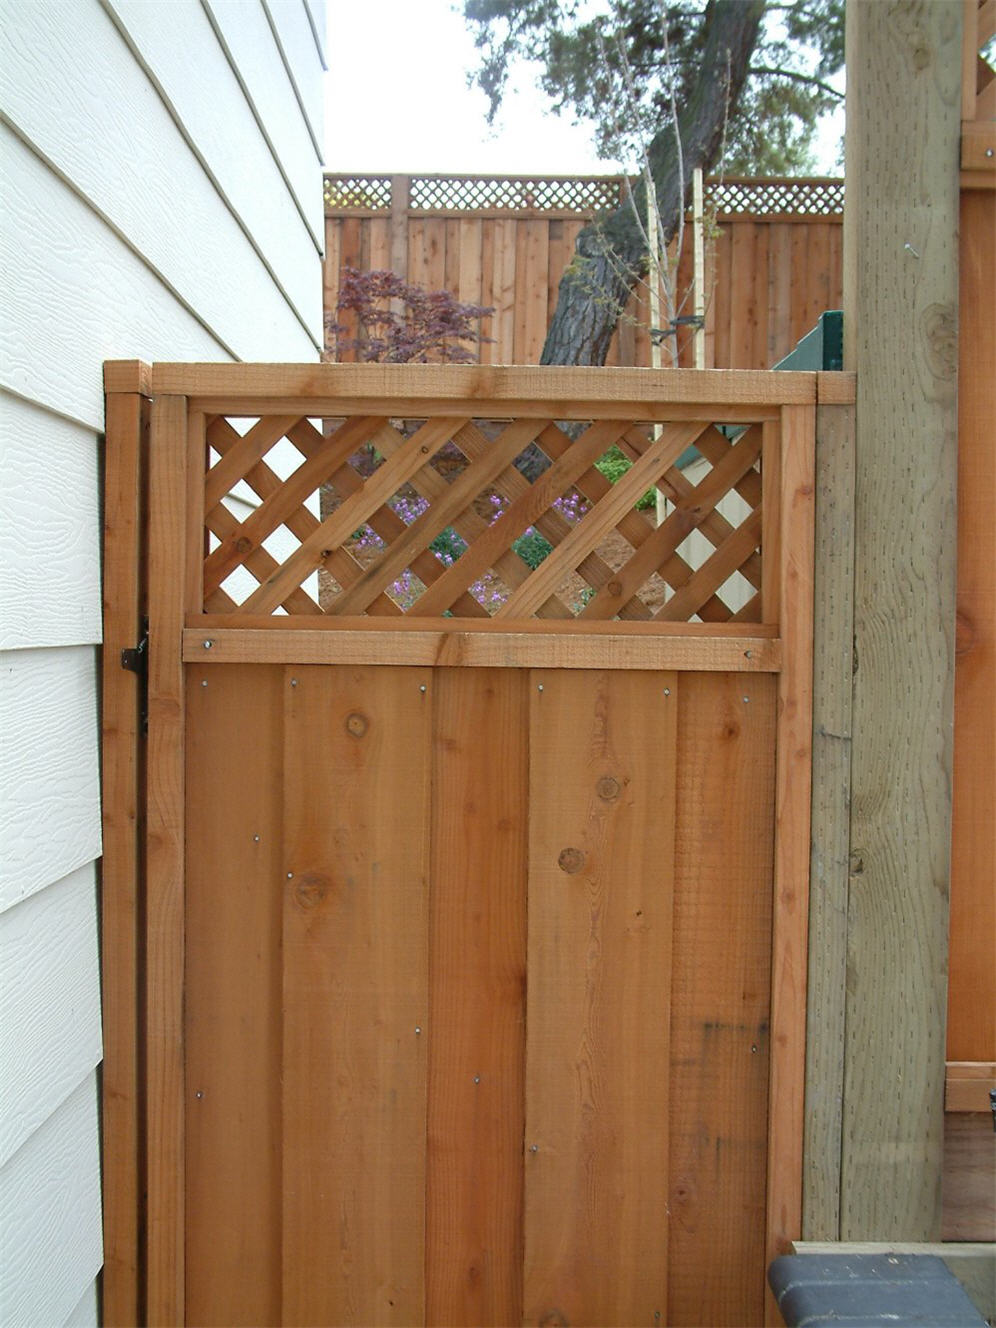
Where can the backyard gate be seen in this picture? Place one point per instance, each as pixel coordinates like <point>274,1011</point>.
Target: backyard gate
<point>467,982</point>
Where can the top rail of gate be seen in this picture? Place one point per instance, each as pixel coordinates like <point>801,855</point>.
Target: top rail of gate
<point>484,514</point>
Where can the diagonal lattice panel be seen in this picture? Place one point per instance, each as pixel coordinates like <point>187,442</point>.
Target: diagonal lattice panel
<point>487,550</point>
<point>475,518</point>
<point>300,522</point>
<point>287,499</point>
<point>440,514</point>
<point>469,524</point>
<point>710,522</point>
<point>385,481</point>
<point>657,553</point>
<point>601,519</point>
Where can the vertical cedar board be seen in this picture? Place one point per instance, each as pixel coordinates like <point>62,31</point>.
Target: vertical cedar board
<point>793,789</point>
<point>125,462</point>
<point>833,650</point>
<point>164,1084</point>
<point>477,1017</point>
<point>743,295</point>
<point>602,770</point>
<point>972,974</point>
<point>720,999</point>
<point>901,305</point>
<point>233,993</point>
<point>355,941</point>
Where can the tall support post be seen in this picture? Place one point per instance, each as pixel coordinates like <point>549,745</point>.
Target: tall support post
<point>901,309</point>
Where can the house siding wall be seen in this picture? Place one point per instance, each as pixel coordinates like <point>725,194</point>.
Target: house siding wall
<point>179,218</point>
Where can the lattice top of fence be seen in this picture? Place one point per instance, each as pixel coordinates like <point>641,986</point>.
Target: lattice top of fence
<point>582,195</point>
<point>480,518</point>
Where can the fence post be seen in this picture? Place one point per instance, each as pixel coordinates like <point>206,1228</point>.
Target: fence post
<point>901,334</point>
<point>400,186</point>
<point>126,394</point>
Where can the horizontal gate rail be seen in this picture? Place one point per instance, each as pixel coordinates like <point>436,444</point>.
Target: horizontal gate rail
<point>320,514</point>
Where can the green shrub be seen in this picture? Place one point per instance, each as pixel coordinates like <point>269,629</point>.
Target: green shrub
<point>614,465</point>
<point>532,548</point>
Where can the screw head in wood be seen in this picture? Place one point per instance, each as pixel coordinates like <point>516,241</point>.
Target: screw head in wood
<point>208,644</point>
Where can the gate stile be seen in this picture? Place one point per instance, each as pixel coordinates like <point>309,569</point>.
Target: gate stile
<point>476,885</point>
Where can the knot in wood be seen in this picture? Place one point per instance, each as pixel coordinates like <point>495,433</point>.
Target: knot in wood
<point>608,788</point>
<point>357,724</point>
<point>940,328</point>
<point>571,861</point>
<point>243,544</point>
<point>614,588</point>
<point>311,890</point>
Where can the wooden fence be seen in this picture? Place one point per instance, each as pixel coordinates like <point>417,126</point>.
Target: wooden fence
<point>471,953</point>
<point>773,256</point>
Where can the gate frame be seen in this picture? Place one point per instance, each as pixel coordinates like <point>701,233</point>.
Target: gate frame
<point>143,954</point>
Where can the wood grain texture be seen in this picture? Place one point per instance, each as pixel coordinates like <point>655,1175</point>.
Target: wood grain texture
<point>296,38</point>
<point>720,999</point>
<point>477,1015</point>
<point>49,778</point>
<point>179,52</point>
<point>355,998</point>
<point>248,43</point>
<point>571,388</point>
<point>793,783</point>
<point>204,255</point>
<point>164,902</point>
<point>833,653</point>
<point>232,995</point>
<point>471,647</point>
<point>601,843</point>
<point>49,1003</point>
<point>59,318</point>
<point>967,1085</point>
<point>50,1214</point>
<point>972,974</point>
<point>901,303</point>
<point>969,1191</point>
<point>87,1311</point>
<point>49,533</point>
<point>122,946</point>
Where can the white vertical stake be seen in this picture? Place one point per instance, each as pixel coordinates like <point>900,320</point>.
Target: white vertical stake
<point>660,502</point>
<point>698,254</point>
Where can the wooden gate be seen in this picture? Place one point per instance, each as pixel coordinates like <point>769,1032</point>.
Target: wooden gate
<point>470,964</point>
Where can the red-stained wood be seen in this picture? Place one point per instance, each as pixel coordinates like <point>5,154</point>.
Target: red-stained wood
<point>122,945</point>
<point>354,883</point>
<point>720,1007</point>
<point>601,844</point>
<point>971,1032</point>
<point>232,994</point>
<point>477,1024</point>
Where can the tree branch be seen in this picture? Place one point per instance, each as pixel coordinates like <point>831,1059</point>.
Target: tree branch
<point>798,78</point>
<point>595,287</point>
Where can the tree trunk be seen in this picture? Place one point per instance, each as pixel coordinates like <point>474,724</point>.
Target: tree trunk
<point>610,254</point>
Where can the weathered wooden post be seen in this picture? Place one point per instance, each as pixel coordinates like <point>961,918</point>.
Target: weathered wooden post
<point>901,320</point>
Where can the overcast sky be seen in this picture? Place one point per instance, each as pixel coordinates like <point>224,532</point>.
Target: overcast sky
<point>397,101</point>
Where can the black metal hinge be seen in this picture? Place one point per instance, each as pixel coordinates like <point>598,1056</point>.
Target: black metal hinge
<point>136,660</point>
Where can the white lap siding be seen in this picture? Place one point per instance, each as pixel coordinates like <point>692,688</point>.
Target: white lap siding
<point>162,200</point>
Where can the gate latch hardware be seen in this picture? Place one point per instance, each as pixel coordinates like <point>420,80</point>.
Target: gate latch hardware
<point>136,660</point>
